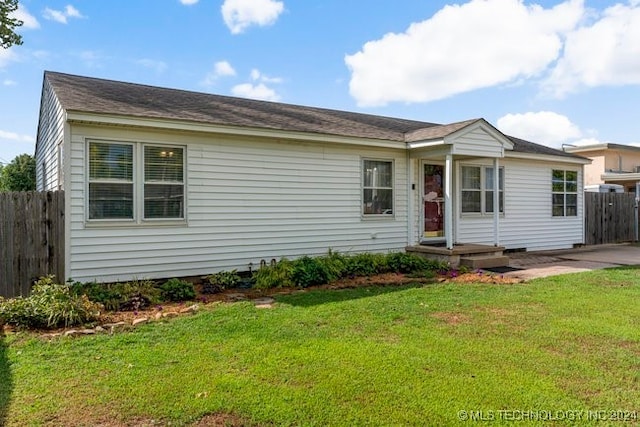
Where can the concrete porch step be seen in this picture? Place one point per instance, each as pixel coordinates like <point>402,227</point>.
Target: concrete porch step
<point>484,261</point>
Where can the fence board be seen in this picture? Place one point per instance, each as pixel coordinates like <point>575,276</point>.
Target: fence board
<point>609,218</point>
<point>31,239</point>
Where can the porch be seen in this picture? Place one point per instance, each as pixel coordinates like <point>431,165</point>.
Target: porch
<point>463,254</point>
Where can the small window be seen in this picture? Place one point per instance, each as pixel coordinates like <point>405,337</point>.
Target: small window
<point>110,181</point>
<point>477,189</point>
<point>564,189</point>
<point>163,182</point>
<point>377,187</point>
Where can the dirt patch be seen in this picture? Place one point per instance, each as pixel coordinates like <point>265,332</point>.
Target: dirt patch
<point>222,420</point>
<point>451,318</point>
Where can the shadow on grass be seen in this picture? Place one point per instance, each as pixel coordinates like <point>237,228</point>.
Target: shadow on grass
<point>326,296</point>
<point>6,382</point>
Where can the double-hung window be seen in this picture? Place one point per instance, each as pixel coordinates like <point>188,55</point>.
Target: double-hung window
<point>110,181</point>
<point>133,181</point>
<point>564,189</point>
<point>377,187</point>
<point>477,189</point>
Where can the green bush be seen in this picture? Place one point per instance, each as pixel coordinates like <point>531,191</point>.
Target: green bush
<point>177,290</point>
<point>366,264</point>
<point>50,305</point>
<point>334,264</point>
<point>218,282</point>
<point>309,271</point>
<point>132,296</point>
<point>278,275</point>
<point>402,262</point>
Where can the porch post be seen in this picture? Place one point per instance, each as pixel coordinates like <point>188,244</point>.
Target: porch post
<point>448,205</point>
<point>496,202</point>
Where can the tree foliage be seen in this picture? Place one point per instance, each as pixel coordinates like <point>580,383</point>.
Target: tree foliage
<point>19,175</point>
<point>8,25</point>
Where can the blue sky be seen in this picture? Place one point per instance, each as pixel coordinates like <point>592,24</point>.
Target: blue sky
<point>553,72</point>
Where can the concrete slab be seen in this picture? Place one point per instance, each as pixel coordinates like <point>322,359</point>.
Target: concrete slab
<point>551,263</point>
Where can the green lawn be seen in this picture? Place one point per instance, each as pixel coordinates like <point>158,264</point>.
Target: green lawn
<point>413,355</point>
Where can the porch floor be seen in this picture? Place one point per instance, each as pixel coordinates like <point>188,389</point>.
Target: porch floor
<point>468,254</point>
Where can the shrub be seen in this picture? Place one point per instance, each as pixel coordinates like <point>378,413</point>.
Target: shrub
<point>278,275</point>
<point>402,262</point>
<point>50,305</point>
<point>308,271</point>
<point>366,264</point>
<point>334,264</point>
<point>121,296</point>
<point>178,290</point>
<point>220,281</point>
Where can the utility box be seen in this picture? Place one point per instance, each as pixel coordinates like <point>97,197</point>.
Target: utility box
<point>604,188</point>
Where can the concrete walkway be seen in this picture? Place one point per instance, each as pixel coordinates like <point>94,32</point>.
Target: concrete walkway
<point>551,263</point>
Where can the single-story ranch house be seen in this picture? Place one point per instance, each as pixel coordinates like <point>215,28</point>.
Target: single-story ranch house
<point>167,183</point>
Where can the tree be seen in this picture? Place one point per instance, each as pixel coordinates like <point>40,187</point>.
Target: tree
<point>19,175</point>
<point>8,36</point>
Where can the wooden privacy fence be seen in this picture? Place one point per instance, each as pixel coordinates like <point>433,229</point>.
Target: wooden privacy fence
<point>31,239</point>
<point>610,218</point>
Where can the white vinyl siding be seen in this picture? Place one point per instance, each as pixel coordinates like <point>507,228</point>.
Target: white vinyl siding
<point>478,143</point>
<point>527,221</point>
<point>247,200</point>
<point>49,144</point>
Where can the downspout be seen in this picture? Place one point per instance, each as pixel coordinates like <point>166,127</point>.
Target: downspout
<point>410,202</point>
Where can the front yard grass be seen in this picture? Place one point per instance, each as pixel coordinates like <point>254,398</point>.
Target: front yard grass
<point>407,355</point>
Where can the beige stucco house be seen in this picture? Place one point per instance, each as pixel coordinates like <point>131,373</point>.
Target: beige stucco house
<point>611,164</point>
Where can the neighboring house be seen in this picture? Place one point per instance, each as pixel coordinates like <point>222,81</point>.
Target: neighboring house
<point>611,164</point>
<point>163,183</point>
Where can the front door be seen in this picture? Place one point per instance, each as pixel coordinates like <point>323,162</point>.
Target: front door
<point>433,201</point>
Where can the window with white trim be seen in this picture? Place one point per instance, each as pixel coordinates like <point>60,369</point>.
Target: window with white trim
<point>130,181</point>
<point>377,187</point>
<point>477,189</point>
<point>564,189</point>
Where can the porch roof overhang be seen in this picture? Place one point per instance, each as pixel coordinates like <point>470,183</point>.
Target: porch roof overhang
<point>620,177</point>
<point>471,138</point>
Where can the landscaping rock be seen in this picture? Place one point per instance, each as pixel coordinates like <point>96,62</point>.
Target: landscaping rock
<point>170,314</point>
<point>237,297</point>
<point>190,309</point>
<point>100,329</point>
<point>139,321</point>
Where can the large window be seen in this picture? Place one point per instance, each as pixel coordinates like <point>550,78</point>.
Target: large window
<point>564,197</point>
<point>128,181</point>
<point>110,181</point>
<point>477,189</point>
<point>377,187</point>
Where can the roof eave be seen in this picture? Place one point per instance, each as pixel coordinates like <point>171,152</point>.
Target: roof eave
<point>547,157</point>
<point>185,126</point>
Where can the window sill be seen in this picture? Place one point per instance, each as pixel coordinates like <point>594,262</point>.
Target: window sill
<point>374,217</point>
<point>135,224</point>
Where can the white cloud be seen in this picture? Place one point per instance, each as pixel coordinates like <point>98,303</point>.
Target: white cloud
<point>13,136</point>
<point>238,15</point>
<point>461,48</point>
<point>543,127</point>
<point>62,16</point>
<point>606,53</point>
<point>189,2</point>
<point>224,68</point>
<point>9,82</point>
<point>255,91</point>
<point>258,89</point>
<point>220,69</point>
<point>28,20</point>
<point>158,66</point>
<point>6,56</point>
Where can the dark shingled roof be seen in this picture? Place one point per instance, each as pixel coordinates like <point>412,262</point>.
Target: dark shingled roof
<point>92,95</point>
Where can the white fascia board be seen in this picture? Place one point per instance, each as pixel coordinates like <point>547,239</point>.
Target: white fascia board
<point>177,125</point>
<point>424,144</point>
<point>546,158</point>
